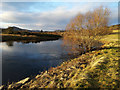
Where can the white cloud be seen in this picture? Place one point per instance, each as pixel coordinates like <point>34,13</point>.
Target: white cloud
<point>48,20</point>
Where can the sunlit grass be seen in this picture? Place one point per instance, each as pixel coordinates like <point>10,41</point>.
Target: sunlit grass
<point>112,37</point>
<point>116,31</point>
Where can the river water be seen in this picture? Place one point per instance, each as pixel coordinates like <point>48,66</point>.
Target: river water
<point>24,59</point>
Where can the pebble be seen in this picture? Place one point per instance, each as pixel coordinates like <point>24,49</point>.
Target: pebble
<point>38,76</point>
<point>1,87</point>
<point>23,81</point>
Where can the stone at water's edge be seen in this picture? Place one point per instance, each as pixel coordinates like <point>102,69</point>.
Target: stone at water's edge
<point>18,84</point>
<point>14,86</point>
<point>23,81</point>
<point>1,87</point>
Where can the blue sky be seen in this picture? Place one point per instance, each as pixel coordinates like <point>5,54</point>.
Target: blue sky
<point>48,15</point>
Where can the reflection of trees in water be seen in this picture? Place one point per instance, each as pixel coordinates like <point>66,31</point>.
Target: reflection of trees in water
<point>29,41</point>
<point>10,43</point>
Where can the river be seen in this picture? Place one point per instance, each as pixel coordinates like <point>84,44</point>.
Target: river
<point>24,59</point>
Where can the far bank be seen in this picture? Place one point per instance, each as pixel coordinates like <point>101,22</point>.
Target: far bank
<point>42,37</point>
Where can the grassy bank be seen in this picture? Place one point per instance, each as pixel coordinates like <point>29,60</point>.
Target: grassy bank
<point>42,37</point>
<point>95,69</point>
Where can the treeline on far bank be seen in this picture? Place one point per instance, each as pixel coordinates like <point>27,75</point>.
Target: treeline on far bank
<point>33,39</point>
<point>15,34</point>
<point>18,31</point>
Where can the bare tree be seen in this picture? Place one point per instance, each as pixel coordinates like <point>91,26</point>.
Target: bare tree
<point>83,31</point>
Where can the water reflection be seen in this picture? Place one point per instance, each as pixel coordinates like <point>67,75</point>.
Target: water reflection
<point>22,59</point>
<point>29,41</point>
<point>10,43</point>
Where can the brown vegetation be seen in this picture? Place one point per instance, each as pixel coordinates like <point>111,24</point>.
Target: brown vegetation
<point>84,31</point>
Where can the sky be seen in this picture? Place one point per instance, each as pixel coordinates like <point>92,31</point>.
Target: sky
<point>48,15</point>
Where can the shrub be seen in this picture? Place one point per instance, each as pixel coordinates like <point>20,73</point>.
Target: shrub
<point>84,31</point>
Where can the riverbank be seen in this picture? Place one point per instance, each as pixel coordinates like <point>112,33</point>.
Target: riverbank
<point>42,37</point>
<point>95,69</point>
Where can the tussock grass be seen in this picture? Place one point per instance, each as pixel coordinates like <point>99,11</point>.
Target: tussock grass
<point>112,37</point>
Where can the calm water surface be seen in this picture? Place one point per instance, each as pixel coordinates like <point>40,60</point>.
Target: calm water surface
<point>20,60</point>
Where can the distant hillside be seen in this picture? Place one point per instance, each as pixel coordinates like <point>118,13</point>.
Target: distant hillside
<point>115,27</point>
<point>16,30</point>
<point>15,34</point>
